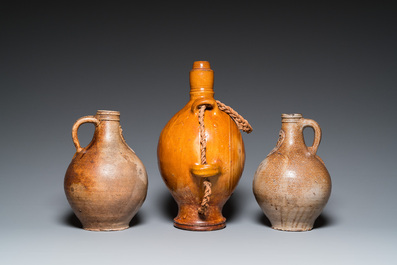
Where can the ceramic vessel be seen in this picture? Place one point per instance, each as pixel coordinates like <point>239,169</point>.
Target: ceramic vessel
<point>292,185</point>
<point>106,183</point>
<point>179,155</point>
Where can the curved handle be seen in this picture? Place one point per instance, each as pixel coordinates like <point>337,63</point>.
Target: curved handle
<point>317,134</point>
<point>77,124</point>
<point>209,102</point>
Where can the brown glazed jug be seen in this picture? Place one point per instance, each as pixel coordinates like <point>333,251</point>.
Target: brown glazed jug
<point>292,184</point>
<point>201,154</point>
<point>106,183</point>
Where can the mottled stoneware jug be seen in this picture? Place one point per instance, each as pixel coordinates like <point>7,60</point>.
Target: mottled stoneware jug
<point>106,183</point>
<point>199,187</point>
<point>292,184</point>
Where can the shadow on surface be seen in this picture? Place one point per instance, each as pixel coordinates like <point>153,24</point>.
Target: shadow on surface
<point>70,219</point>
<point>168,206</point>
<point>262,219</point>
<point>136,220</point>
<point>231,207</point>
<point>322,221</point>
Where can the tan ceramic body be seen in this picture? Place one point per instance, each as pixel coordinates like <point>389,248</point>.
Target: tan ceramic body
<point>105,183</point>
<point>179,151</point>
<point>292,185</point>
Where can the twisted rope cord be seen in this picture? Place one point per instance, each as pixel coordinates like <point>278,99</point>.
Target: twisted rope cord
<point>242,124</point>
<point>203,160</point>
<point>203,139</point>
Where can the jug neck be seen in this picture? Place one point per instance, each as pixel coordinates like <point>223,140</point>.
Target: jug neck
<point>201,80</point>
<point>108,130</point>
<point>293,131</point>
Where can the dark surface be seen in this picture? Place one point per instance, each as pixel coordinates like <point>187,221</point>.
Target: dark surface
<point>334,63</point>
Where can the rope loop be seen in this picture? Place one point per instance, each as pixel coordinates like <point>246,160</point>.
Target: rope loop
<point>242,124</point>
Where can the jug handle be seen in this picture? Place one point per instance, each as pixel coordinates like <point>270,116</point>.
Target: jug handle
<point>317,134</point>
<point>77,124</point>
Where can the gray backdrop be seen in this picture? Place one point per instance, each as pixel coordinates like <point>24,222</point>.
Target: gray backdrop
<point>333,63</point>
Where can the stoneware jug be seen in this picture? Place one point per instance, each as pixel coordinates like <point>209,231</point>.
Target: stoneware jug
<point>292,184</point>
<point>106,183</point>
<point>201,154</point>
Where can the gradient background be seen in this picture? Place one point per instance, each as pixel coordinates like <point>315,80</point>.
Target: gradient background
<point>336,64</point>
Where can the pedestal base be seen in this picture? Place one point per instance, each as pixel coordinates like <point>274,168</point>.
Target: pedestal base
<point>189,219</point>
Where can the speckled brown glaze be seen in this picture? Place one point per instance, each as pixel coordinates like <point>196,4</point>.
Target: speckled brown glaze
<point>179,155</point>
<point>106,183</point>
<point>292,185</point>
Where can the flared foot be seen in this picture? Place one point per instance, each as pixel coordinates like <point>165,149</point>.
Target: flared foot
<point>200,227</point>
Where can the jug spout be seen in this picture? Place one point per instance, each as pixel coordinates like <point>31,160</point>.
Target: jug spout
<point>201,80</point>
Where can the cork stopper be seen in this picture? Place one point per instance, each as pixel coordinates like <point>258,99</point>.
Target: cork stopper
<point>201,77</point>
<point>201,65</point>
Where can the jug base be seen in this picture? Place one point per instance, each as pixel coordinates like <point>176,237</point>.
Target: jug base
<point>291,229</point>
<point>105,229</point>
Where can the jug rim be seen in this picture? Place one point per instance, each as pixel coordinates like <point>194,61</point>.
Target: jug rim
<point>109,112</point>
<point>291,117</point>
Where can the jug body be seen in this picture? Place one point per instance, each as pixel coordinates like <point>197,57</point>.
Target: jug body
<point>180,156</point>
<point>106,182</point>
<point>292,185</point>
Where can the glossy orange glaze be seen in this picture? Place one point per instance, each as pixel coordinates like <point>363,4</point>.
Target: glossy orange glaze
<point>179,155</point>
<point>292,185</point>
<point>105,183</point>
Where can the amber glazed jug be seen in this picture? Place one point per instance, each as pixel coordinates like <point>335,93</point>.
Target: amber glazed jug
<point>201,155</point>
<point>292,185</point>
<point>106,183</point>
